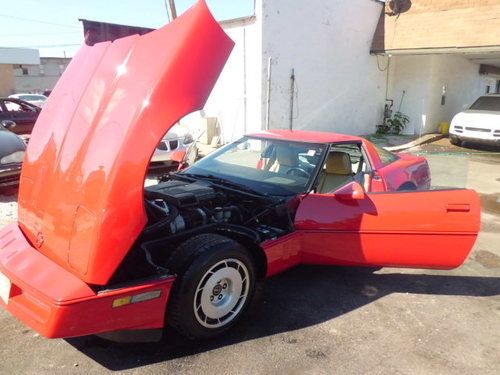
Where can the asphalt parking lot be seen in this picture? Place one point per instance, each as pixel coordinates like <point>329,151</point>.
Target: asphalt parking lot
<point>320,320</point>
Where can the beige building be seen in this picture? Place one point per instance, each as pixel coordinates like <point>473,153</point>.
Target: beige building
<point>40,77</point>
<point>11,58</point>
<point>23,70</point>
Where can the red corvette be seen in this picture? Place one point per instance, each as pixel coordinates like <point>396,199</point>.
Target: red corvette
<point>93,252</point>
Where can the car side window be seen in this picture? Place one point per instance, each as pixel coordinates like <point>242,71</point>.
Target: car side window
<point>12,106</point>
<point>344,163</point>
<point>386,157</point>
<point>17,107</point>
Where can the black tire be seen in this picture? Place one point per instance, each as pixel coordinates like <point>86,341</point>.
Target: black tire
<point>454,140</point>
<point>213,273</point>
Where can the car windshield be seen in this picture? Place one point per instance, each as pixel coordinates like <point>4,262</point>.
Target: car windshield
<point>266,166</point>
<point>487,103</point>
<point>32,97</point>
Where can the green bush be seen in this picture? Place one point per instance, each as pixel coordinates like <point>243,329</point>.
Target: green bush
<point>394,125</point>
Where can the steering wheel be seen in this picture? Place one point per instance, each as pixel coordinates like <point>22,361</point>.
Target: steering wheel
<point>301,172</point>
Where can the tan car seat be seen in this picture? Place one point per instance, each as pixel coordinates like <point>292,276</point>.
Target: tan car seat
<point>338,172</point>
<point>286,158</point>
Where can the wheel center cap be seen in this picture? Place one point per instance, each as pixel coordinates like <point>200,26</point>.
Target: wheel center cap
<point>216,290</point>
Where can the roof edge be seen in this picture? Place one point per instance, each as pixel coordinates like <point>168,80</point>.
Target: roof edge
<point>438,50</point>
<point>237,22</point>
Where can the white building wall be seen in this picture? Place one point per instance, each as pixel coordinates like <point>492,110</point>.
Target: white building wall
<point>227,100</point>
<point>409,88</point>
<point>462,82</point>
<point>339,86</point>
<point>422,78</point>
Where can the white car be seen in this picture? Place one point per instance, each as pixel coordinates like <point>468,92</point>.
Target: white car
<point>178,142</point>
<point>480,123</point>
<point>35,99</point>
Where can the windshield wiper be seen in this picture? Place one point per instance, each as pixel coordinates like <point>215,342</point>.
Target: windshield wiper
<point>220,180</point>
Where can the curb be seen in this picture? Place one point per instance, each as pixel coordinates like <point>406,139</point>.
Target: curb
<point>428,138</point>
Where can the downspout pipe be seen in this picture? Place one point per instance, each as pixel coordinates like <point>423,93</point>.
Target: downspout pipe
<point>268,98</point>
<point>292,90</point>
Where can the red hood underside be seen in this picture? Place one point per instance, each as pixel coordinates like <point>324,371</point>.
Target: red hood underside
<point>81,192</point>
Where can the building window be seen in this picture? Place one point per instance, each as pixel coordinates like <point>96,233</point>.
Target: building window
<point>42,70</point>
<point>61,68</point>
<point>488,89</point>
<point>25,71</point>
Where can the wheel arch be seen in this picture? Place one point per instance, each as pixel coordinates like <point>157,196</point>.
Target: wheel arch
<point>408,186</point>
<point>249,240</point>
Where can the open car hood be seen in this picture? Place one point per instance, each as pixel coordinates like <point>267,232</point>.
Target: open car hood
<point>81,192</point>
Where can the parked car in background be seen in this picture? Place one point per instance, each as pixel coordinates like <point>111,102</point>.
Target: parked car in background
<point>35,99</point>
<point>12,150</point>
<point>177,147</point>
<point>480,123</point>
<point>24,114</point>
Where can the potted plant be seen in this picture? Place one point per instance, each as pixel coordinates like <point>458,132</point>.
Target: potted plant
<point>397,123</point>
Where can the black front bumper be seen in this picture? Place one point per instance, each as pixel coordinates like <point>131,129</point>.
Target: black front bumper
<point>479,141</point>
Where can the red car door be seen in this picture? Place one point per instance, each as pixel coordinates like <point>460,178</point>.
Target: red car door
<point>424,229</point>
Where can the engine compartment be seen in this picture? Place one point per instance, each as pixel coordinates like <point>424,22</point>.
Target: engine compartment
<point>174,206</point>
<point>179,208</point>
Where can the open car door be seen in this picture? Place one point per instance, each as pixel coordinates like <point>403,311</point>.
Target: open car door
<point>422,229</point>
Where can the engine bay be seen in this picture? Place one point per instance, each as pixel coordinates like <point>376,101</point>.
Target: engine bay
<point>179,207</point>
<point>175,206</point>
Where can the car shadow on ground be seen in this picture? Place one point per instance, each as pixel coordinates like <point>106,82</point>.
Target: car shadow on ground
<point>299,298</point>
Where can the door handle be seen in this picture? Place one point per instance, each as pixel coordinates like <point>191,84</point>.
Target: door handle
<point>456,207</point>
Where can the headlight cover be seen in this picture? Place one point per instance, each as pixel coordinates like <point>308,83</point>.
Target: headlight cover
<point>15,157</point>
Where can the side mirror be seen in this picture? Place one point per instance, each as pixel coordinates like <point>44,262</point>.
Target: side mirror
<point>351,191</point>
<point>8,124</point>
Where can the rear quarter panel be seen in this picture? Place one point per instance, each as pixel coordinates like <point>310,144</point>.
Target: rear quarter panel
<point>408,168</point>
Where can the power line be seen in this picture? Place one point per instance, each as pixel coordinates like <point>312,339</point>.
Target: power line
<point>38,21</point>
<point>52,45</point>
<point>37,34</point>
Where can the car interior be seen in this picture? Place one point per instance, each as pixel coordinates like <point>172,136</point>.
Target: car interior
<point>344,163</point>
<point>285,159</point>
<point>290,160</point>
<point>336,172</point>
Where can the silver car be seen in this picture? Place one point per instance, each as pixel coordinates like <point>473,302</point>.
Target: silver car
<point>177,148</point>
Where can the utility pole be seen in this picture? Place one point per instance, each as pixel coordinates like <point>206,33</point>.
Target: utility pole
<point>173,11</point>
